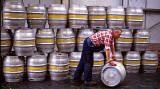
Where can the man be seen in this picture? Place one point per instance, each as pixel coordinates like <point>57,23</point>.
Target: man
<point>95,42</point>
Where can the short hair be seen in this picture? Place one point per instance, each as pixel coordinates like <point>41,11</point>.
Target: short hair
<point>116,29</point>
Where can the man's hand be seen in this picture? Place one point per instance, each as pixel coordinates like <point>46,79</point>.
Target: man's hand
<point>111,62</point>
<point>114,58</point>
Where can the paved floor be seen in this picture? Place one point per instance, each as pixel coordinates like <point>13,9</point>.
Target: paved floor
<point>132,81</point>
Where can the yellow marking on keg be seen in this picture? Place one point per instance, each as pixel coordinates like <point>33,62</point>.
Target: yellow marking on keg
<point>119,61</point>
<point>65,40</point>
<point>73,63</point>
<point>5,42</point>
<point>97,17</point>
<point>13,69</point>
<point>57,16</point>
<point>14,15</point>
<point>124,40</point>
<point>23,43</point>
<point>141,40</point>
<point>131,62</point>
<point>59,67</point>
<point>99,63</point>
<point>38,68</point>
<point>80,39</point>
<point>149,62</point>
<point>35,16</point>
<point>134,18</point>
<point>45,40</point>
<point>78,16</point>
<point>115,17</point>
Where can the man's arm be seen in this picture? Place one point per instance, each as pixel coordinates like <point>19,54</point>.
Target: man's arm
<point>108,57</point>
<point>113,51</point>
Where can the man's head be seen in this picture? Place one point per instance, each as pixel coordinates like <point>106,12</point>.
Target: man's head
<point>116,32</point>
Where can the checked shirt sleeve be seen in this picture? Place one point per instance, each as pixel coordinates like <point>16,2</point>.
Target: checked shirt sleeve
<point>108,41</point>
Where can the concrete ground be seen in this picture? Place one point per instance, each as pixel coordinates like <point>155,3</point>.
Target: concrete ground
<point>132,81</point>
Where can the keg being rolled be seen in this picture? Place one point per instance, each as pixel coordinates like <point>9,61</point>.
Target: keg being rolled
<point>134,17</point>
<point>97,17</point>
<point>24,42</point>
<point>5,43</point>
<point>132,62</point>
<point>82,35</point>
<point>124,43</point>
<point>37,67</point>
<point>57,16</point>
<point>45,40</point>
<point>141,40</point>
<point>113,75</point>
<point>65,40</point>
<point>59,66</point>
<point>14,15</point>
<point>36,15</point>
<point>13,69</point>
<point>150,61</point>
<point>116,17</point>
<point>78,16</point>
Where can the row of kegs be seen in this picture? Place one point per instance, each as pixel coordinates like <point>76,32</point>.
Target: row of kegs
<point>26,41</point>
<point>62,67</point>
<point>78,16</point>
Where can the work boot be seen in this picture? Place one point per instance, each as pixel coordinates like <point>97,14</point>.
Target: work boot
<point>91,83</point>
<point>76,82</point>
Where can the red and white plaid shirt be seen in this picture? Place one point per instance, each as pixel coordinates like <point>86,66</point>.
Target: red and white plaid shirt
<point>102,38</point>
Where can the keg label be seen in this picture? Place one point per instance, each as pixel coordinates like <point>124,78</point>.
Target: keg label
<point>124,40</point>
<point>13,69</point>
<point>80,39</point>
<point>45,40</point>
<point>73,63</point>
<point>23,43</point>
<point>134,18</point>
<point>78,16</point>
<point>65,40</point>
<point>141,40</point>
<point>5,42</point>
<point>115,17</point>
<point>35,16</point>
<point>97,17</point>
<point>57,16</point>
<point>99,63</point>
<point>59,67</point>
<point>149,62</point>
<point>131,62</point>
<point>37,68</point>
<point>14,15</point>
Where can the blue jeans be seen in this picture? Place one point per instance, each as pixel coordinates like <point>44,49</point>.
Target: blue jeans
<point>86,62</point>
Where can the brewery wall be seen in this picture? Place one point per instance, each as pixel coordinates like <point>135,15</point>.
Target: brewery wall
<point>152,20</point>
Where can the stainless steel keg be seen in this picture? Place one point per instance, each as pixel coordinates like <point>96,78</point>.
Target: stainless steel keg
<point>141,40</point>
<point>118,55</point>
<point>78,16</point>
<point>65,40</point>
<point>5,43</point>
<point>97,17</point>
<point>112,76</point>
<point>14,15</point>
<point>150,61</point>
<point>98,62</point>
<point>74,59</point>
<point>45,40</point>
<point>134,17</point>
<point>124,43</point>
<point>82,35</point>
<point>37,67</point>
<point>36,15</point>
<point>116,17</point>
<point>24,42</point>
<point>57,16</point>
<point>132,62</point>
<point>13,69</point>
<point>59,66</point>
